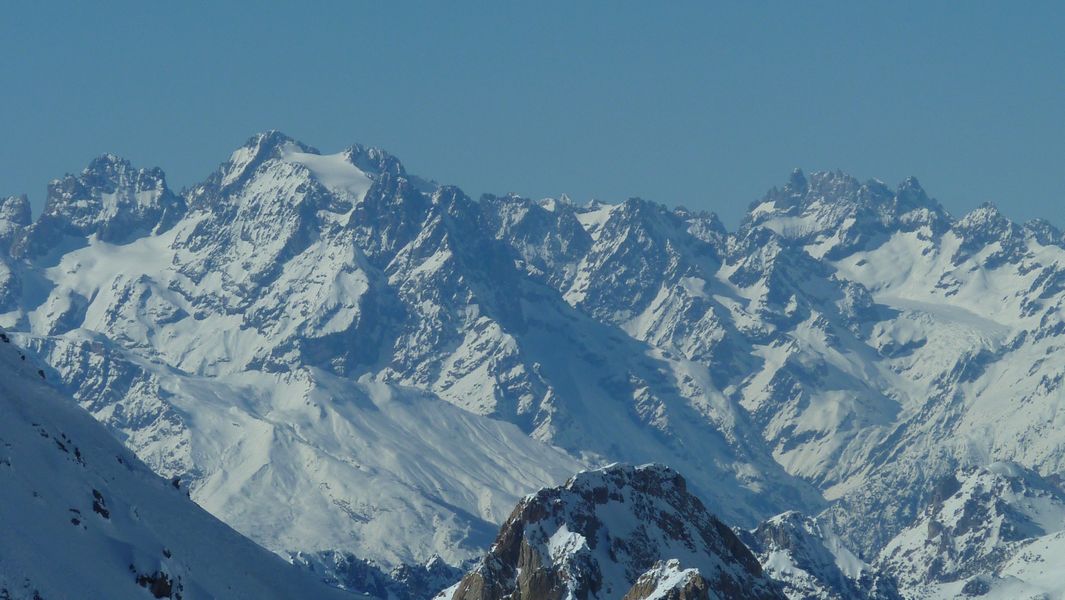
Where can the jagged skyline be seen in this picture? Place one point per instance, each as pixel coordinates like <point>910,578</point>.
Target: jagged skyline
<point>696,105</point>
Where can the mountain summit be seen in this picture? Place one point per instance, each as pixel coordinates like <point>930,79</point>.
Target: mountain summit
<point>619,531</point>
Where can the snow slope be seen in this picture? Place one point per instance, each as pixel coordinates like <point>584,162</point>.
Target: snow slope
<point>240,348</point>
<point>307,462</point>
<point>84,518</point>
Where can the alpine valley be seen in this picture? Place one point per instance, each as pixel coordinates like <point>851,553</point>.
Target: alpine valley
<point>409,393</point>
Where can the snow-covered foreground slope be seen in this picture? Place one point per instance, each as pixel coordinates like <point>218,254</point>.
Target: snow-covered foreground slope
<point>618,532</point>
<point>82,517</point>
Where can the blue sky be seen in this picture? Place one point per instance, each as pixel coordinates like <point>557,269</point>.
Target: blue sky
<point>700,104</point>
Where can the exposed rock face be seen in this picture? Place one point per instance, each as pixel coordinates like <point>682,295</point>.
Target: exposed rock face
<point>667,581</point>
<point>15,216</point>
<point>842,215</point>
<point>109,199</point>
<point>608,534</point>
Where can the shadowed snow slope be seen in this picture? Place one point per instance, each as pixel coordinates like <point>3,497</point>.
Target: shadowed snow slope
<point>812,563</point>
<point>84,518</point>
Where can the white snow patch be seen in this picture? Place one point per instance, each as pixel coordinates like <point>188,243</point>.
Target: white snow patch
<point>335,171</point>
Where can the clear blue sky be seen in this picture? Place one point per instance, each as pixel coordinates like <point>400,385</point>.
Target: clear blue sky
<point>701,104</point>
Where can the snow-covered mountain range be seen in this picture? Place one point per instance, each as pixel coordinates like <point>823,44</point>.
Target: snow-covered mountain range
<point>811,562</point>
<point>346,362</point>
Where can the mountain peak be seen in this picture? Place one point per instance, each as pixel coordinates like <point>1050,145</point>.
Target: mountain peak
<point>374,160</point>
<point>985,225</point>
<point>16,210</point>
<point>349,170</point>
<point>796,182</point>
<point>654,477</point>
<point>833,209</point>
<point>272,139</point>
<point>910,195</point>
<point>985,214</point>
<point>259,148</point>
<point>1044,232</point>
<point>105,162</point>
<point>800,192</point>
<point>110,198</point>
<point>15,216</point>
<point>608,531</point>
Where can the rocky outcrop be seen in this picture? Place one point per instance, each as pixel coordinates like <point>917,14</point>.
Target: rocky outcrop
<point>667,581</point>
<point>978,522</point>
<point>609,534</point>
<point>811,562</point>
<point>109,199</point>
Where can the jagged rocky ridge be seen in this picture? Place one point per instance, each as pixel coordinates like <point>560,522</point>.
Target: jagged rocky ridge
<point>621,531</point>
<point>995,532</point>
<point>846,348</point>
<point>82,517</point>
<point>811,562</point>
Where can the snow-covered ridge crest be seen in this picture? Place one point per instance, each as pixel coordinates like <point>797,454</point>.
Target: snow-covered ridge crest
<point>344,171</point>
<point>834,213</point>
<point>110,200</point>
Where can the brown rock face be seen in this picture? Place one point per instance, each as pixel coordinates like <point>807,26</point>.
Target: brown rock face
<point>531,579</point>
